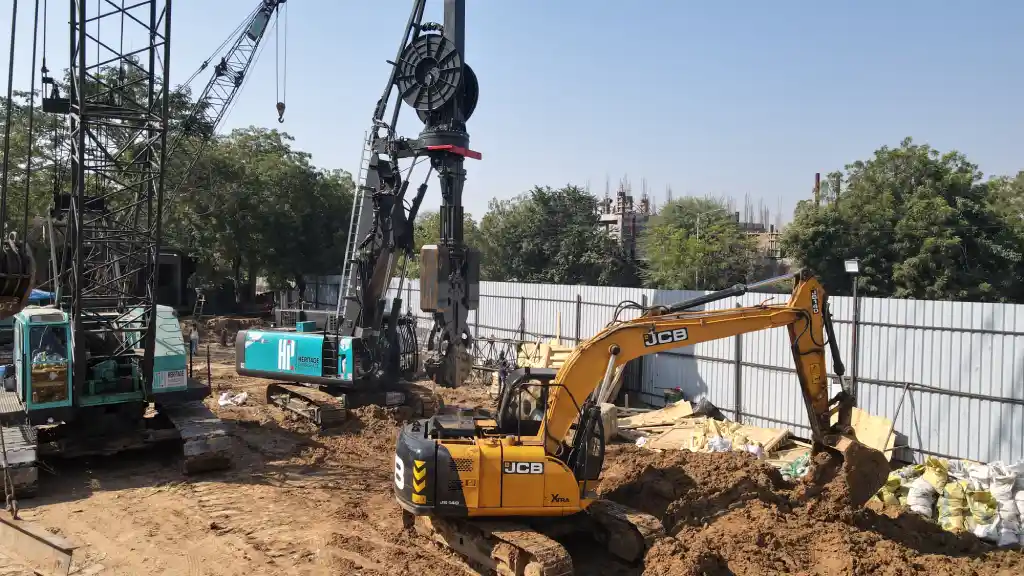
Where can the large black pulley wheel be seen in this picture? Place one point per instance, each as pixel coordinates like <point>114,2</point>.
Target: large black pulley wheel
<point>429,72</point>
<point>470,95</point>
<point>17,274</point>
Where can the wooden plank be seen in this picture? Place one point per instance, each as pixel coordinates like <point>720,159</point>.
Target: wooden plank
<point>872,431</point>
<point>46,553</point>
<point>665,416</point>
<point>693,434</point>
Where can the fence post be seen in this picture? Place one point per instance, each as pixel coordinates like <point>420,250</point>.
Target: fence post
<point>476,323</point>
<point>579,315</point>
<point>522,318</point>
<point>738,377</point>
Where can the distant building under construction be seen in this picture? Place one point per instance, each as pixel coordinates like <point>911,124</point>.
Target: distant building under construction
<point>624,220</point>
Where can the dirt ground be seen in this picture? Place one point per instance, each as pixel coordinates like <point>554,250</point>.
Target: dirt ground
<point>305,504</point>
<point>730,514</point>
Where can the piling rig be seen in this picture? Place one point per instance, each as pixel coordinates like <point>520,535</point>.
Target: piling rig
<point>368,347</point>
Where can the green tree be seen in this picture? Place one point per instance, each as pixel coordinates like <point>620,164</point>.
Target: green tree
<point>266,209</point>
<point>1006,199</point>
<point>427,230</point>
<point>553,236</point>
<point>922,224</point>
<point>696,243</point>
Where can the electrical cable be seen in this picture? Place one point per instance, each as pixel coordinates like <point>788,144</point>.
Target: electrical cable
<point>31,123</point>
<point>9,116</point>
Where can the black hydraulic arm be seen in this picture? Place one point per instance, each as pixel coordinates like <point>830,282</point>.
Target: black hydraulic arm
<point>431,77</point>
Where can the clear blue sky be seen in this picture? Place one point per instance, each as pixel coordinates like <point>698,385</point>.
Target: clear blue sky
<point>723,97</point>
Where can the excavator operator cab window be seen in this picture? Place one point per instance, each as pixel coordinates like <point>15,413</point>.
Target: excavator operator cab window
<point>523,404</point>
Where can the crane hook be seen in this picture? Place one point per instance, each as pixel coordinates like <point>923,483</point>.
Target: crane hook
<point>280,112</point>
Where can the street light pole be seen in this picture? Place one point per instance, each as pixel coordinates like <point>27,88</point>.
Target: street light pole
<point>853,269</point>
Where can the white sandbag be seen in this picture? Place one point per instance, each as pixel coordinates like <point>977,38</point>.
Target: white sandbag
<point>1008,508</point>
<point>987,532</point>
<point>1019,498</point>
<point>979,476</point>
<point>1007,538</point>
<point>958,469</point>
<point>921,497</point>
<point>1002,481</point>
<point>984,514</point>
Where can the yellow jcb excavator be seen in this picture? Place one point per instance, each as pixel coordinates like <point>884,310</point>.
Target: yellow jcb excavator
<point>500,490</point>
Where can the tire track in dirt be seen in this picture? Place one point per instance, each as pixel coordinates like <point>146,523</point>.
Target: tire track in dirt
<point>321,535</point>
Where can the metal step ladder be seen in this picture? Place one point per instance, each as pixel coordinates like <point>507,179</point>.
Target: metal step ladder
<point>197,308</point>
<point>353,229</point>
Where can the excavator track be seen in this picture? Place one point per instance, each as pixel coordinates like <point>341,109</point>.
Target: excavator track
<point>207,443</point>
<point>319,407</point>
<point>627,533</point>
<point>498,547</point>
<point>327,410</point>
<point>516,549</point>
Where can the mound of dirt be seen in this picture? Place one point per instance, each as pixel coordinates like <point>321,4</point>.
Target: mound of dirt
<point>728,513</point>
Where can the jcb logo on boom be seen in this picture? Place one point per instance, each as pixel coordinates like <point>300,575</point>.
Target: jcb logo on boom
<point>523,467</point>
<point>653,338</point>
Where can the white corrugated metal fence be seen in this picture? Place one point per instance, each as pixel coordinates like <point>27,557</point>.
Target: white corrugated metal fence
<point>955,370</point>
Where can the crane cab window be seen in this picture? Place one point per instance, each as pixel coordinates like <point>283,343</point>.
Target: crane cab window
<point>48,344</point>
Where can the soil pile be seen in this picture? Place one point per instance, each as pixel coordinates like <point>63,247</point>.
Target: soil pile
<point>727,513</point>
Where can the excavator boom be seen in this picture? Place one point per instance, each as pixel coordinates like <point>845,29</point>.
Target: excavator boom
<point>666,328</point>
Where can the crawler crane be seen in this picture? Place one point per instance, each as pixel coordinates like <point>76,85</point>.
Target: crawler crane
<point>500,490</point>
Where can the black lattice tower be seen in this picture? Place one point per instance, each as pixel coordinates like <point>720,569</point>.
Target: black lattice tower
<point>118,132</point>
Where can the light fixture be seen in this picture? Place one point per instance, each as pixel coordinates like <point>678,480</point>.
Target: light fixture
<point>852,266</point>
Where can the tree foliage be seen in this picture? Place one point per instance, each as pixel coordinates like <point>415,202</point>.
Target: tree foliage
<point>552,235</point>
<point>252,205</point>
<point>696,243</point>
<point>923,225</point>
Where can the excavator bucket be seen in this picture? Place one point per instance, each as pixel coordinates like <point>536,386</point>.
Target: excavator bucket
<point>864,470</point>
<point>17,275</point>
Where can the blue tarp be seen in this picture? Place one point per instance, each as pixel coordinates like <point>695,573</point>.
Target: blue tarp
<point>38,296</point>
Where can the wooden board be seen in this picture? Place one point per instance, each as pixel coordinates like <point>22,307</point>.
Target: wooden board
<point>665,416</point>
<point>872,431</point>
<point>693,434</point>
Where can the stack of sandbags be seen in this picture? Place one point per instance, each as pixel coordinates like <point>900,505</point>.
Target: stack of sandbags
<point>953,507</point>
<point>925,489</point>
<point>897,487</point>
<point>990,495</point>
<point>1003,483</point>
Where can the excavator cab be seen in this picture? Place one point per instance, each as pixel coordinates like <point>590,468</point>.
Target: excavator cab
<point>522,410</point>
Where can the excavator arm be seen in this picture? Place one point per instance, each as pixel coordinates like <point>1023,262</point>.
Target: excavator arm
<point>661,329</point>
<point>583,382</point>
